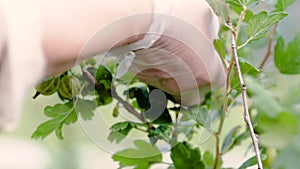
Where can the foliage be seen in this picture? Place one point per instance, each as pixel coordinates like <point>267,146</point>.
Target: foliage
<point>162,119</point>
<point>61,114</point>
<point>142,157</point>
<point>184,156</point>
<point>287,58</point>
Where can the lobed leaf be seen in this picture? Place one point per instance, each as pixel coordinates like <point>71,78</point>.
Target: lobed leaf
<point>141,95</point>
<point>283,4</point>
<point>250,162</point>
<point>228,142</point>
<point>242,3</point>
<point>85,108</point>
<point>262,99</point>
<point>246,69</point>
<point>278,131</point>
<point>159,133</point>
<point>184,156</point>
<point>288,157</point>
<point>120,130</point>
<point>141,157</point>
<point>61,114</point>
<point>287,57</point>
<point>257,27</point>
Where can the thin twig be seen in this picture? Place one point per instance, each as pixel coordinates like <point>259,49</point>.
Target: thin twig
<point>127,106</point>
<point>222,119</point>
<point>228,90</point>
<point>241,19</point>
<point>115,95</point>
<point>218,134</point>
<point>244,95</point>
<point>269,50</point>
<point>244,44</point>
<point>174,133</point>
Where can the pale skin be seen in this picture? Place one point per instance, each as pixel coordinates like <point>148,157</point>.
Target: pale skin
<point>66,32</point>
<point>45,38</point>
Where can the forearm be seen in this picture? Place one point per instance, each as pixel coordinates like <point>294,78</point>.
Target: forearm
<point>68,25</point>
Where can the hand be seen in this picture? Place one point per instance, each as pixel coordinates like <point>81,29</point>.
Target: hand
<point>182,61</point>
<point>183,53</point>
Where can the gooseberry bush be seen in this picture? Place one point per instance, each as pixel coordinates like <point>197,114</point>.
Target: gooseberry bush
<point>247,34</point>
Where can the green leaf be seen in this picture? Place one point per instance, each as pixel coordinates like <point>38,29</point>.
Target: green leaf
<point>104,76</point>
<point>246,69</point>
<point>241,137</point>
<point>237,3</point>
<point>251,162</point>
<point>208,158</point>
<point>86,108</point>
<point>61,114</point>
<point>248,163</point>
<point>71,117</point>
<point>287,58</point>
<point>58,131</point>
<point>262,99</point>
<point>141,157</point>
<point>103,97</point>
<point>228,142</point>
<point>164,118</point>
<point>91,61</point>
<point>241,3</point>
<point>283,4</point>
<point>159,133</point>
<point>141,95</point>
<point>251,2</point>
<point>204,117</point>
<point>45,129</point>
<point>57,110</point>
<point>120,130</point>
<point>258,24</point>
<point>220,47</point>
<point>184,157</point>
<point>248,15</point>
<point>121,126</point>
<point>288,157</point>
<point>279,131</point>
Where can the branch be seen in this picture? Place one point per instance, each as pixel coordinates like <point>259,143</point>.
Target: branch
<point>127,106</point>
<point>114,94</point>
<point>244,44</point>
<point>241,19</point>
<point>269,50</point>
<point>225,106</point>
<point>224,113</point>
<point>174,134</point>
<point>244,95</point>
